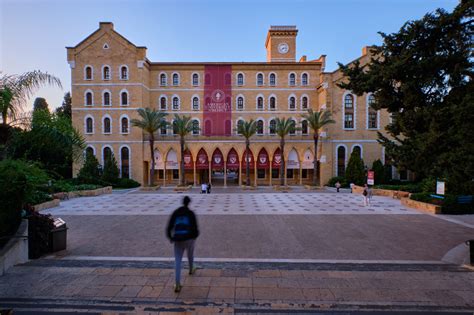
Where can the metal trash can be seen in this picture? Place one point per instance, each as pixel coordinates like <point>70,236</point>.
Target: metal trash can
<point>470,243</point>
<point>58,236</point>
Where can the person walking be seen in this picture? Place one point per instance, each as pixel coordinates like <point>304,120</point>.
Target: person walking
<point>209,187</point>
<point>369,195</point>
<point>182,230</point>
<point>338,186</point>
<point>365,193</point>
<point>203,188</point>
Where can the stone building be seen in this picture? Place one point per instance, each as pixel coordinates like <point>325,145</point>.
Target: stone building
<point>112,78</point>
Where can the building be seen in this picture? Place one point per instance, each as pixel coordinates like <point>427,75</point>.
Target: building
<point>112,78</point>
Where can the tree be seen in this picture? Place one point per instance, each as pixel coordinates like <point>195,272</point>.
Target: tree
<point>355,171</point>
<point>111,172</point>
<point>316,121</point>
<point>40,104</point>
<point>66,108</point>
<point>151,121</point>
<point>379,172</point>
<point>422,75</point>
<point>247,130</point>
<point>91,169</point>
<point>283,127</point>
<point>182,125</point>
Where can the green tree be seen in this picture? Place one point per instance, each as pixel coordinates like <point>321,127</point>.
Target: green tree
<point>151,121</point>
<point>183,126</point>
<point>422,75</point>
<point>316,121</point>
<point>379,172</point>
<point>66,108</point>
<point>91,170</point>
<point>111,172</point>
<point>247,129</point>
<point>40,104</point>
<point>355,171</point>
<point>284,127</point>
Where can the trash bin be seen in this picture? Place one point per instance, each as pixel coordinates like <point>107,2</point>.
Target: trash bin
<point>58,236</point>
<point>470,243</point>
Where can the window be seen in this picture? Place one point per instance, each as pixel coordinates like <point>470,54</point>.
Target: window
<point>348,120</point>
<point>88,73</point>
<point>175,127</point>
<point>292,79</point>
<point>195,79</point>
<point>357,149</point>
<point>163,103</point>
<point>163,79</point>
<point>293,130</point>
<point>124,98</point>
<point>272,103</point>
<point>195,127</point>
<point>106,73</point>
<point>240,79</point>
<point>304,127</point>
<point>175,79</point>
<point>195,103</point>
<point>272,128</point>
<point>107,123</point>
<point>304,173</point>
<point>272,79</point>
<point>304,102</point>
<point>240,103</point>
<point>261,173</point>
<point>372,119</point>
<point>260,103</point>
<point>125,162</point>
<point>304,79</point>
<point>106,153</point>
<point>292,103</point>
<point>123,73</point>
<point>240,124</point>
<point>341,161</point>
<point>89,99</point>
<point>259,127</point>
<point>175,174</point>
<point>163,130</point>
<point>349,111</point>
<point>124,125</point>
<point>89,151</point>
<point>89,125</point>
<point>259,79</point>
<point>348,101</point>
<point>175,103</point>
<point>289,173</point>
<point>106,100</point>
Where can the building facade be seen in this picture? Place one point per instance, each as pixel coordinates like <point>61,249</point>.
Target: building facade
<point>112,78</point>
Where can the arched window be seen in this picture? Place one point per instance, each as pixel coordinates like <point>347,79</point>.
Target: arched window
<point>304,127</point>
<point>107,125</point>
<point>175,127</point>
<point>175,103</point>
<point>272,103</point>
<point>123,73</point>
<point>106,99</point>
<point>195,79</point>
<point>348,111</point>
<point>372,118</point>
<point>89,151</point>
<point>292,79</point>
<point>240,79</point>
<point>260,79</point>
<point>240,124</point>
<point>195,103</point>
<point>175,79</point>
<point>124,98</point>
<point>163,130</point>
<point>125,162</point>
<point>259,127</point>
<point>292,103</point>
<point>304,79</point>
<point>89,125</point>
<point>293,130</point>
<point>272,128</point>
<point>304,102</point>
<point>272,79</point>
<point>106,153</point>
<point>124,125</point>
<point>341,161</point>
<point>358,150</point>
<point>195,127</point>
<point>260,103</point>
<point>163,79</point>
<point>106,73</point>
<point>240,103</point>
<point>89,99</point>
<point>88,73</point>
<point>163,103</point>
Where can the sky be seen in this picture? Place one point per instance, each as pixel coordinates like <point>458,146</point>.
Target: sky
<point>34,33</point>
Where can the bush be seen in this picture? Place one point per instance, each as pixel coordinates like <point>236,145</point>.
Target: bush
<point>355,172</point>
<point>379,172</point>
<point>126,183</point>
<point>37,197</point>
<point>111,171</point>
<point>423,197</point>
<point>86,187</point>
<point>428,185</point>
<point>449,204</point>
<point>409,187</point>
<point>91,171</point>
<point>332,182</point>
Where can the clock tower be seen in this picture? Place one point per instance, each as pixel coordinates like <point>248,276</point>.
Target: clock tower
<point>281,43</point>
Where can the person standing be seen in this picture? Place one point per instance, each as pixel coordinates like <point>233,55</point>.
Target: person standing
<point>209,187</point>
<point>365,193</point>
<point>182,230</point>
<point>203,188</point>
<point>338,186</point>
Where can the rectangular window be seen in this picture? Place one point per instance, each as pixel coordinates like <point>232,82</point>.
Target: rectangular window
<point>160,174</point>
<point>289,173</point>
<point>261,174</point>
<point>304,173</point>
<point>175,174</point>
<point>348,121</point>
<point>275,173</point>
<point>372,120</point>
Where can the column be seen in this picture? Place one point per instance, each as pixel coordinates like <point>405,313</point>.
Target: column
<point>194,173</point>
<point>301,173</point>
<point>255,172</point>
<point>271,171</point>
<point>225,174</point>
<point>210,173</point>
<point>240,173</point>
<point>284,174</point>
<point>164,173</point>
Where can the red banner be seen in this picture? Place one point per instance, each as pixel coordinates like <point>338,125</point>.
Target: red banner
<point>263,161</point>
<point>276,159</point>
<point>188,160</point>
<point>202,162</point>
<point>370,177</point>
<point>217,112</point>
<point>217,161</point>
<point>232,160</point>
<point>248,157</point>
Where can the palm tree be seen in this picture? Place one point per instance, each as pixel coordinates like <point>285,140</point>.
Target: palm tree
<point>282,128</point>
<point>151,121</point>
<point>183,125</point>
<point>316,121</point>
<point>247,129</point>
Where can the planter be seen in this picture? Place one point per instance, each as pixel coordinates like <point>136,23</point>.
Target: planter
<point>183,188</point>
<point>422,206</point>
<point>311,187</point>
<point>282,188</point>
<point>46,205</point>
<point>150,188</point>
<point>93,192</point>
<point>16,250</point>
<point>244,187</point>
<point>396,194</point>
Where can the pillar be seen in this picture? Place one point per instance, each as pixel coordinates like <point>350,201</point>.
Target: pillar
<point>240,173</point>
<point>210,172</point>
<point>164,173</point>
<point>271,170</point>
<point>284,174</point>
<point>225,174</point>
<point>194,173</point>
<point>301,173</point>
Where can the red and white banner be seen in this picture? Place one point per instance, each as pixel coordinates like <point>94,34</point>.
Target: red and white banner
<point>188,160</point>
<point>202,162</point>
<point>370,177</point>
<point>217,112</point>
<point>217,160</point>
<point>276,159</point>
<point>263,161</point>
<point>248,156</point>
<point>232,160</point>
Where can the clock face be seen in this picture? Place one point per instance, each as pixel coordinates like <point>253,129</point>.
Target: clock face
<point>283,48</point>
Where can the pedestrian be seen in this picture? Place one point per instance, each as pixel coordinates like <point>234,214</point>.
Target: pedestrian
<point>352,186</point>
<point>209,187</point>
<point>369,194</point>
<point>182,230</point>
<point>365,193</point>
<point>203,188</point>
<point>338,186</point>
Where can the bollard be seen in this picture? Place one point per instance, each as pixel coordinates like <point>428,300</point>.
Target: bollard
<point>470,243</point>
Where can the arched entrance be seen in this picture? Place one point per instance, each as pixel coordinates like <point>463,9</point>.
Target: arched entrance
<point>172,167</point>
<point>308,167</point>
<point>263,167</point>
<point>202,167</point>
<point>293,168</point>
<point>188,167</point>
<point>247,158</point>
<point>217,168</point>
<point>276,163</point>
<point>159,166</point>
<point>232,168</point>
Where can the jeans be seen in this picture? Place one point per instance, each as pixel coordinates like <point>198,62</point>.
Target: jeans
<point>179,248</point>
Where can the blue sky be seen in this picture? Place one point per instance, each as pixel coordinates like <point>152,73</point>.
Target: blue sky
<point>34,33</point>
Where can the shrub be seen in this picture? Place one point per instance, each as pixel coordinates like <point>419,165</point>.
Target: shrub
<point>355,172</point>
<point>411,187</point>
<point>111,171</point>
<point>86,187</point>
<point>90,172</point>
<point>126,183</point>
<point>423,197</point>
<point>379,171</point>
<point>428,185</point>
<point>332,182</point>
<point>63,186</point>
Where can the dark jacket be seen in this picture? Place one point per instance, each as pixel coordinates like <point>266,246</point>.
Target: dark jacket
<point>182,225</point>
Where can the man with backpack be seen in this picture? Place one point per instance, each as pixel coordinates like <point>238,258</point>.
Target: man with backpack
<point>182,230</point>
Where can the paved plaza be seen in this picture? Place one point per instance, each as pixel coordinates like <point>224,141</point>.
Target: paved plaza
<point>300,251</point>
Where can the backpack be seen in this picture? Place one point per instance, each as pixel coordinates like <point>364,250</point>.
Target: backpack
<point>365,192</point>
<point>182,228</point>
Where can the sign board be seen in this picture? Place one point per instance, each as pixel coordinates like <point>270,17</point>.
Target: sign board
<point>370,177</point>
<point>440,188</point>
